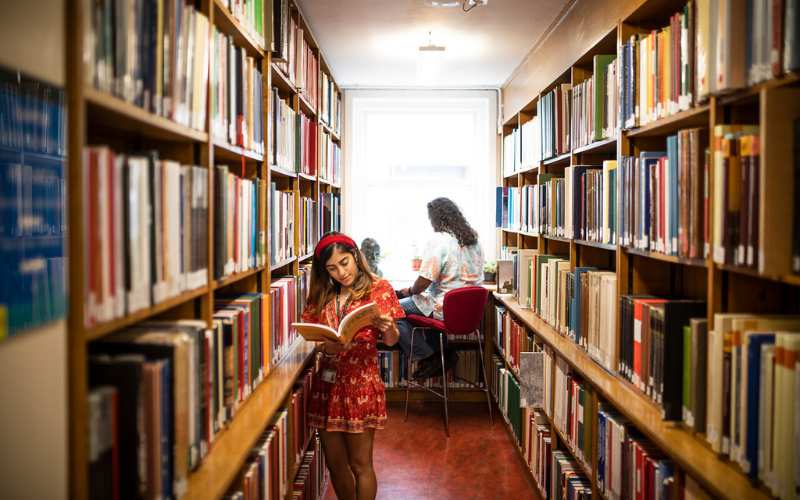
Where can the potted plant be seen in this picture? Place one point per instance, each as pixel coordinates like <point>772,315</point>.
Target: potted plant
<point>416,260</point>
<point>489,271</point>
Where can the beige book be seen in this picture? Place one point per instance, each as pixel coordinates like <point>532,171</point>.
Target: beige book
<point>349,326</point>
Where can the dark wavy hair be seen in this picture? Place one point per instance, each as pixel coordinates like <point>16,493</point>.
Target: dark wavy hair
<point>323,288</point>
<point>447,218</point>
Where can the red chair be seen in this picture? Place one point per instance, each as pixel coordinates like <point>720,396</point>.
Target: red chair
<point>462,309</point>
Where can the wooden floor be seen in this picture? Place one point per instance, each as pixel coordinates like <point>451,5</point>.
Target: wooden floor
<point>416,460</point>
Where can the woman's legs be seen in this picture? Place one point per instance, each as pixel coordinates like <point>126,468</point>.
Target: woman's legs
<point>359,455</point>
<point>336,458</point>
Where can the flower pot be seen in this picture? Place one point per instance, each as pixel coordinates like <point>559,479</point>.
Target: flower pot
<point>415,264</point>
<point>489,277</point>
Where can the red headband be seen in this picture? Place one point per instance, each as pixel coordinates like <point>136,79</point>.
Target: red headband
<point>336,238</point>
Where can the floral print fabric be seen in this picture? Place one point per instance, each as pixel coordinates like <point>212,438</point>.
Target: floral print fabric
<point>356,399</point>
<point>449,266</point>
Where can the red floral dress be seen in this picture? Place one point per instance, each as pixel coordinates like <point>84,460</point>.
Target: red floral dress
<point>356,399</point>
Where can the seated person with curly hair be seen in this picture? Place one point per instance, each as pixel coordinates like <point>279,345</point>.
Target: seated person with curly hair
<point>453,259</point>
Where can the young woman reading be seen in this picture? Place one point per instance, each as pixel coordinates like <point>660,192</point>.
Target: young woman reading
<point>348,401</point>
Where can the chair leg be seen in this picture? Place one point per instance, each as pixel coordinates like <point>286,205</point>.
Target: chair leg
<point>485,380</point>
<point>408,373</point>
<point>444,385</point>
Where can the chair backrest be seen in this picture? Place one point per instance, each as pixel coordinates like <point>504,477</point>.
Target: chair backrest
<point>463,309</point>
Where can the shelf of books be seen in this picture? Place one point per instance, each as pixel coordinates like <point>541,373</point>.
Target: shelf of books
<point>195,230</point>
<point>651,255</point>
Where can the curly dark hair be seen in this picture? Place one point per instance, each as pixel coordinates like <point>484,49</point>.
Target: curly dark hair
<point>447,218</point>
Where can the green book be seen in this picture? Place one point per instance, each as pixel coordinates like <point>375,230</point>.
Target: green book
<point>599,84</point>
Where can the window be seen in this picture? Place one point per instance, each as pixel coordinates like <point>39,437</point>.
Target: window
<point>405,148</point>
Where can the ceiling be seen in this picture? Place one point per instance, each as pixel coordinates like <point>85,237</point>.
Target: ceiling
<point>375,43</point>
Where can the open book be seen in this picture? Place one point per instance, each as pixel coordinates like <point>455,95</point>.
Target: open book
<point>350,325</point>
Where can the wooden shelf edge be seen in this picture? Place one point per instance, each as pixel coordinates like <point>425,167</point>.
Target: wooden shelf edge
<point>306,106</point>
<point>330,131</point>
<point>599,146</point>
<point>666,124</point>
<point>754,90</point>
<point>239,33</point>
<point>604,246</point>
<point>716,475</point>
<point>141,116</point>
<point>282,80</point>
<point>97,331</point>
<point>667,258</point>
<point>282,171</point>
<point>236,277</point>
<point>558,238</point>
<point>307,177</point>
<point>789,279</point>
<point>236,150</point>
<point>283,263</point>
<point>587,470</point>
<point>233,444</point>
<point>558,159</point>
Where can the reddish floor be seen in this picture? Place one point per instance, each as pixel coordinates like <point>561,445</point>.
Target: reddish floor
<point>416,460</point>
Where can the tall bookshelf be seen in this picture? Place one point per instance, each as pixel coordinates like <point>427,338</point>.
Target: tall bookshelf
<point>98,117</point>
<point>603,27</point>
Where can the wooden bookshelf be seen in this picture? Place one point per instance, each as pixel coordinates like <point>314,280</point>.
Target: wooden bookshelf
<point>96,118</point>
<point>233,444</point>
<point>565,55</point>
<point>688,452</point>
<point>112,113</point>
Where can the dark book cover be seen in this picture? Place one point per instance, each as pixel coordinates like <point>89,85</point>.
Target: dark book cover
<point>677,314</point>
<point>124,372</point>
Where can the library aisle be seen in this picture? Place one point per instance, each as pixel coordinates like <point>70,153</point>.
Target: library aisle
<point>416,461</point>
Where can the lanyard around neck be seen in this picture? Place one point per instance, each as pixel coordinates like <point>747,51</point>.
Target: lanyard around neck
<point>341,313</point>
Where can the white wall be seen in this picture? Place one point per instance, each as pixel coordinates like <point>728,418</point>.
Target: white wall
<point>33,365</point>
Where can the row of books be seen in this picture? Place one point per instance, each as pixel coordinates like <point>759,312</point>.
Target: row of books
<point>585,205</point>
<point>517,208</point>
<point>753,419</point>
<point>508,336</point>
<point>505,388</point>
<point>306,145</point>
<point>578,304</point>
<point>301,394</point>
<point>594,110</point>
<point>651,347</point>
<point>154,55</point>
<point>266,473</point>
<point>251,16</point>
<point>300,66</point>
<point>33,256</point>
<point>237,104</point>
<point>556,472</point>
<point>330,212</point>
<point>658,68</point>
<point>309,482</point>
<point>288,301</point>
<point>146,250</point>
<point>736,211</point>
<point>239,215</point>
<point>33,116</point>
<point>664,197</point>
<point>628,464</point>
<point>330,160</point>
<point>309,226</point>
<point>281,224</point>
<point>284,133</point>
<point>566,400</point>
<point>330,111</point>
<point>159,393</point>
<point>393,362</point>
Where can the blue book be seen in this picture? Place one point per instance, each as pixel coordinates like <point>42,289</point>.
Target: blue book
<point>601,450</point>
<point>646,160</point>
<point>575,311</point>
<point>665,469</point>
<point>754,343</point>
